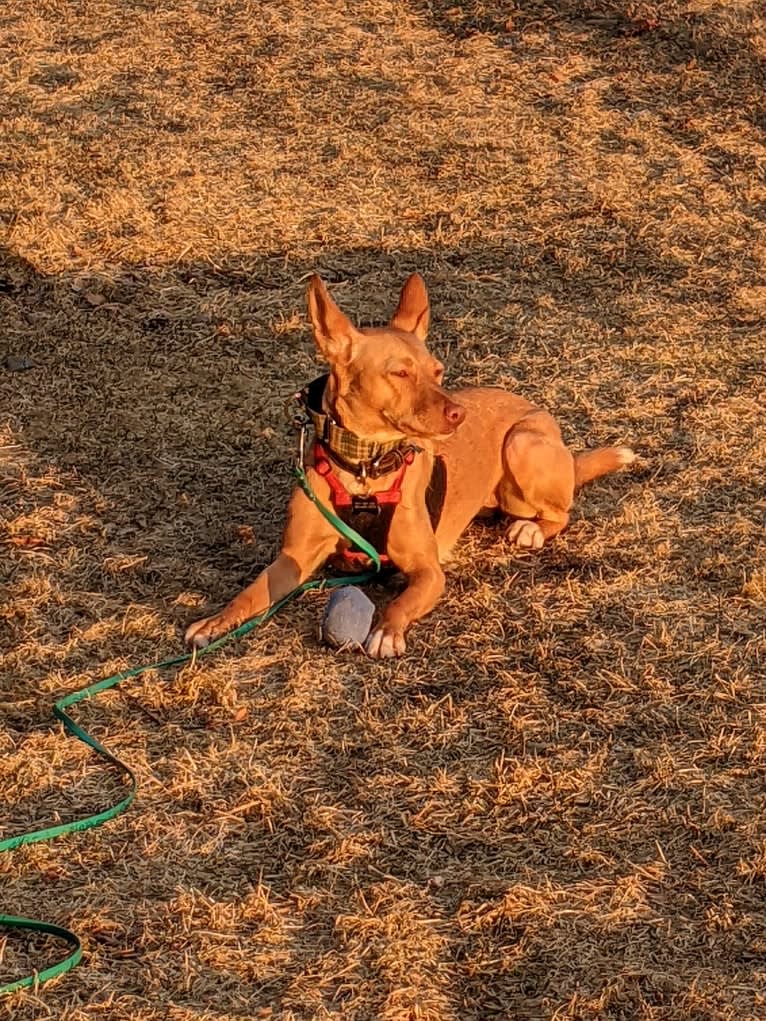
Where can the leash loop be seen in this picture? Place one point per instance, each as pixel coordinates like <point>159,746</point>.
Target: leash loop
<point>14,922</point>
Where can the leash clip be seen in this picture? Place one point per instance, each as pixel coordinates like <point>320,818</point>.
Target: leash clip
<point>298,417</point>
<point>300,420</point>
<point>301,458</point>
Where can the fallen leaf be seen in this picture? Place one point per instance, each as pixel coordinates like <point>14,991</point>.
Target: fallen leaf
<point>245,534</point>
<point>27,540</point>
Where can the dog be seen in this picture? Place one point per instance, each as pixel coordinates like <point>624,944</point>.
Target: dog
<point>417,462</point>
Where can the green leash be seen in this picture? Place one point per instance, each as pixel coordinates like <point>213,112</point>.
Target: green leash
<point>60,712</point>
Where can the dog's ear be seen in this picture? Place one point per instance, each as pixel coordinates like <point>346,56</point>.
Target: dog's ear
<point>334,333</point>
<point>412,312</point>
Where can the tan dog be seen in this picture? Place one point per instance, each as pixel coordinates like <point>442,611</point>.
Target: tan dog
<point>383,394</point>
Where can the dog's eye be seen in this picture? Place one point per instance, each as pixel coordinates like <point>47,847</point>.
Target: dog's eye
<point>401,373</point>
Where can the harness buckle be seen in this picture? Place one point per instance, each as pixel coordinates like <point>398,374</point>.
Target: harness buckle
<point>297,416</point>
<point>365,505</point>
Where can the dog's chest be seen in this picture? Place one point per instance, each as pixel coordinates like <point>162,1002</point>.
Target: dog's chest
<point>355,486</point>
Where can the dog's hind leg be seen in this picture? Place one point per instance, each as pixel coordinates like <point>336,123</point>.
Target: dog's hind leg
<point>538,483</point>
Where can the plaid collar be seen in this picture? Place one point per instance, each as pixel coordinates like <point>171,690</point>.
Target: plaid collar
<point>352,453</point>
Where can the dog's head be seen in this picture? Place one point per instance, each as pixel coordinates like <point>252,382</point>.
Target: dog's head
<point>384,382</point>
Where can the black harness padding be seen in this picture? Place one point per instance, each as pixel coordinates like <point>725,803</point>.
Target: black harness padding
<point>437,491</point>
<point>373,525</point>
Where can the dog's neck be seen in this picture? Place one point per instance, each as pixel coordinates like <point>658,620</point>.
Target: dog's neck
<point>338,407</point>
<point>351,451</point>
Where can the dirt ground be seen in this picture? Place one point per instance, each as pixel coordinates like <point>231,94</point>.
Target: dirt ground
<point>554,806</point>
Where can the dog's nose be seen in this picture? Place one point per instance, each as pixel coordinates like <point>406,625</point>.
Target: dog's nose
<point>454,413</point>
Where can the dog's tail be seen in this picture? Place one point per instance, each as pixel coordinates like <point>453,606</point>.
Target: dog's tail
<point>591,464</point>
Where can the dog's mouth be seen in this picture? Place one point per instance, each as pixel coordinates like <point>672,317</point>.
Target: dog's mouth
<point>422,434</point>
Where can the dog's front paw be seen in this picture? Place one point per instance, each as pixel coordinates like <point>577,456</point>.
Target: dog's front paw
<point>202,632</point>
<point>526,534</point>
<point>384,643</point>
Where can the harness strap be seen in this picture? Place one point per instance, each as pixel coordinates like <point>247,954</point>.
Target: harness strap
<point>341,496</point>
<point>369,515</point>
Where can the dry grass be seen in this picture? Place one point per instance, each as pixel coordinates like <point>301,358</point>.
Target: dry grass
<point>553,808</point>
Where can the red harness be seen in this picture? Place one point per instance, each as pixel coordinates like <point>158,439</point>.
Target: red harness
<point>352,506</point>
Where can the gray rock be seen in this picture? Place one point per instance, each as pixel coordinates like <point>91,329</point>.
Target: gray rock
<point>347,618</point>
